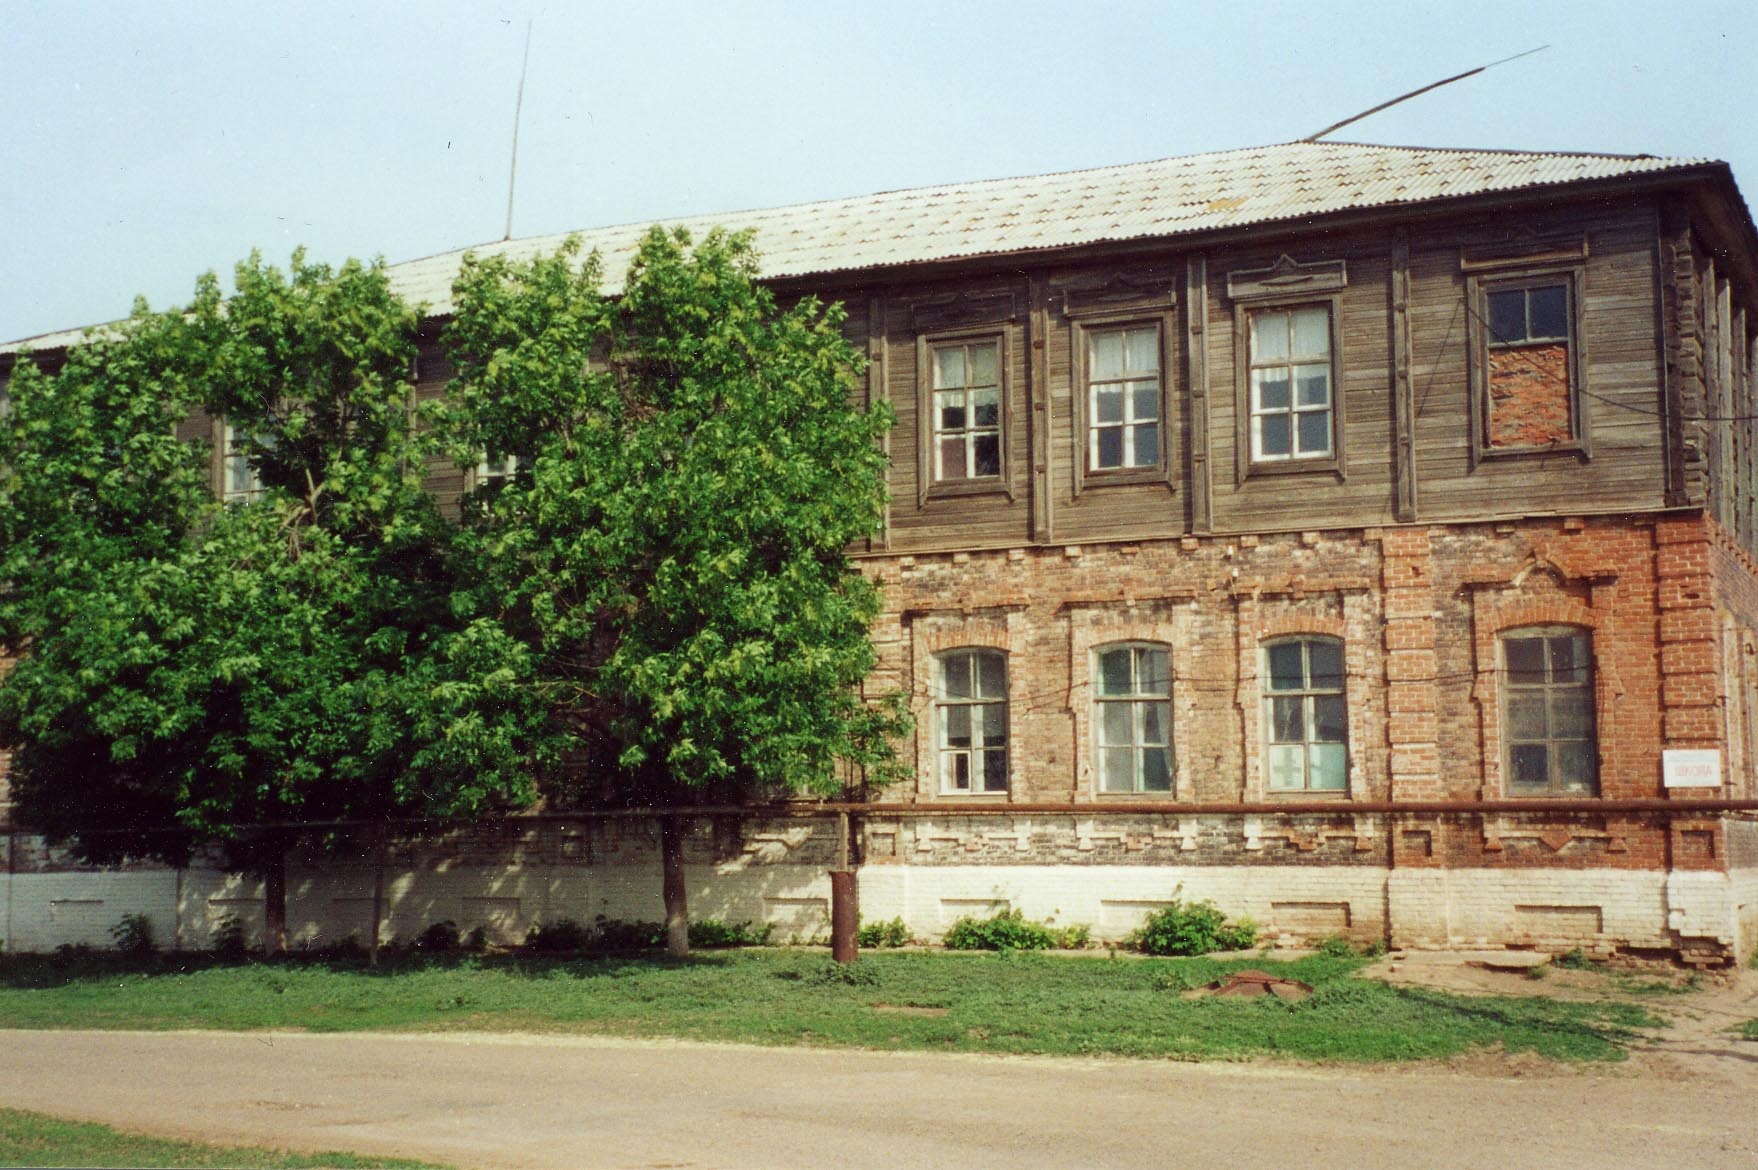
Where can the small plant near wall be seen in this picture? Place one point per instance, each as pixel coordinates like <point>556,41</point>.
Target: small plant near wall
<point>1192,928</point>
<point>133,935</point>
<point>877,935</point>
<point>1007,930</point>
<point>229,941</point>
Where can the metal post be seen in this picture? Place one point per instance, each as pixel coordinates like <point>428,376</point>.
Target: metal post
<point>844,900</point>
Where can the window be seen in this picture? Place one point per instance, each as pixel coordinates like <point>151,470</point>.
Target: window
<point>967,410</point>
<point>1290,384</point>
<point>1123,398</point>
<point>239,482</point>
<point>1526,363</point>
<point>1132,711</point>
<point>495,470</point>
<point>1304,707</point>
<point>1547,711</point>
<point>971,714</point>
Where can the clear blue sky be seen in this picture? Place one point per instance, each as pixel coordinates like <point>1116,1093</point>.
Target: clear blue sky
<point>146,143</point>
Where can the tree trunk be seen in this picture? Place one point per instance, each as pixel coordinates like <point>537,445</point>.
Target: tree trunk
<point>677,906</point>
<point>274,909</point>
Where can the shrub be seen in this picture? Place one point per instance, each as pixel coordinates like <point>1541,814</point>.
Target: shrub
<point>613,934</point>
<point>1192,928</point>
<point>711,932</point>
<point>563,934</point>
<point>439,937</point>
<point>1335,946</point>
<point>230,941</point>
<point>1073,937</point>
<point>833,974</point>
<point>1572,960</point>
<point>883,934</point>
<point>133,935</point>
<point>1005,931</point>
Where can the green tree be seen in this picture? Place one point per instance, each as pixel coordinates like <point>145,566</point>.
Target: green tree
<point>188,669</point>
<point>672,549</point>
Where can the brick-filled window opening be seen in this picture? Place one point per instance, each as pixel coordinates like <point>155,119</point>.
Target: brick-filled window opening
<point>1291,393</point>
<point>239,482</point>
<point>1528,347</point>
<point>971,721</point>
<point>1307,716</point>
<point>967,410</point>
<point>1547,708</point>
<point>1132,700</point>
<point>1123,398</point>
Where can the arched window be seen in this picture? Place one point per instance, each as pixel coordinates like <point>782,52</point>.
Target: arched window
<point>971,720</point>
<point>1548,739</point>
<point>1132,718</point>
<point>1306,715</point>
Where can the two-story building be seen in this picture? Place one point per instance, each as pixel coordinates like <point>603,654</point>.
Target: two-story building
<point>1362,537</point>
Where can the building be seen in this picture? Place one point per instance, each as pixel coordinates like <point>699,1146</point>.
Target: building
<point>1362,537</point>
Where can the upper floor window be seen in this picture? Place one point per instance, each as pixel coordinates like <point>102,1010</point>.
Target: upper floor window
<point>1123,398</point>
<point>1307,717</point>
<point>495,470</point>
<point>239,482</point>
<point>1527,362</point>
<point>1133,715</point>
<point>967,411</point>
<point>1291,377</point>
<point>971,720</point>
<point>1547,711</point>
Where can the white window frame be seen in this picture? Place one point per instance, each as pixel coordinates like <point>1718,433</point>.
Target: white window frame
<point>964,725</point>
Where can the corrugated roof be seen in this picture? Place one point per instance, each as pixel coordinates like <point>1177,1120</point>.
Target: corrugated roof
<point>1167,197</point>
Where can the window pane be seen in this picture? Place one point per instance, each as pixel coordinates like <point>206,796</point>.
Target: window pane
<point>1312,333</point>
<point>1156,770</point>
<point>1153,672</point>
<point>957,725</point>
<point>1286,764</point>
<point>1526,717</point>
<point>986,455</point>
<point>1550,311</point>
<point>1328,766</point>
<point>991,675</point>
<point>1147,446</point>
<point>1110,447</point>
<point>948,367</point>
<point>995,771</point>
<point>961,771</point>
<point>1330,719</point>
<point>1525,660</point>
<point>952,464</point>
<point>1571,715</point>
<point>1507,315</point>
<point>1107,354</point>
<point>1144,349</point>
<point>1269,389</point>
<point>1575,766</point>
<point>1287,720</point>
<point>994,724</point>
<point>1144,401</point>
<point>1108,404</point>
<point>1153,723</point>
<point>1114,672</point>
<point>955,676</point>
<point>1325,664</point>
<point>1568,659</point>
<point>1313,385</point>
<point>1285,667</point>
<point>1273,435</point>
<point>1269,336</point>
<point>1114,773</point>
<point>1116,724</point>
<point>1530,763</point>
<point>985,365</point>
<point>951,411</point>
<point>1315,432</point>
<point>985,408</point>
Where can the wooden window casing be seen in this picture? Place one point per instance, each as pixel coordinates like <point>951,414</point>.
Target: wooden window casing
<point>958,434</point>
<point>1306,715</point>
<point>971,730</point>
<point>1526,366</point>
<point>1132,718</point>
<point>1120,407</point>
<point>1261,412</point>
<point>1549,730</point>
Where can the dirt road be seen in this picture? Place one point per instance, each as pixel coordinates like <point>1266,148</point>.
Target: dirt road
<point>499,1101</point>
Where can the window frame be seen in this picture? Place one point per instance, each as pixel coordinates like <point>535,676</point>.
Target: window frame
<point>225,439</point>
<point>1085,328</point>
<point>944,753</point>
<point>482,475</point>
<point>931,485</point>
<point>1505,692</point>
<point>1479,284</point>
<point>1248,465</point>
<point>1307,693</point>
<point>1136,699</point>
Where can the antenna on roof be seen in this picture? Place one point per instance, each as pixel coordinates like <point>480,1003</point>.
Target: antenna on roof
<point>518,106</point>
<point>1419,92</point>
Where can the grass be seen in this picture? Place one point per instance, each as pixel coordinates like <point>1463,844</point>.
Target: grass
<point>998,1003</point>
<point>1748,1030</point>
<point>33,1139</point>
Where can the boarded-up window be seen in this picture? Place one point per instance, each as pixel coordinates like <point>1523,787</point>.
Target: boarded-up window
<point>1529,348</point>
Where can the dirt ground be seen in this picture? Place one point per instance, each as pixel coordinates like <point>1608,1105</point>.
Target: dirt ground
<point>1686,1098</point>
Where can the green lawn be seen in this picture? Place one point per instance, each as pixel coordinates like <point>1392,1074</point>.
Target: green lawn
<point>32,1139</point>
<point>1013,1003</point>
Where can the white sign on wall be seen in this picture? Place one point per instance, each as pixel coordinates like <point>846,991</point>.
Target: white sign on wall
<point>1691,768</point>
